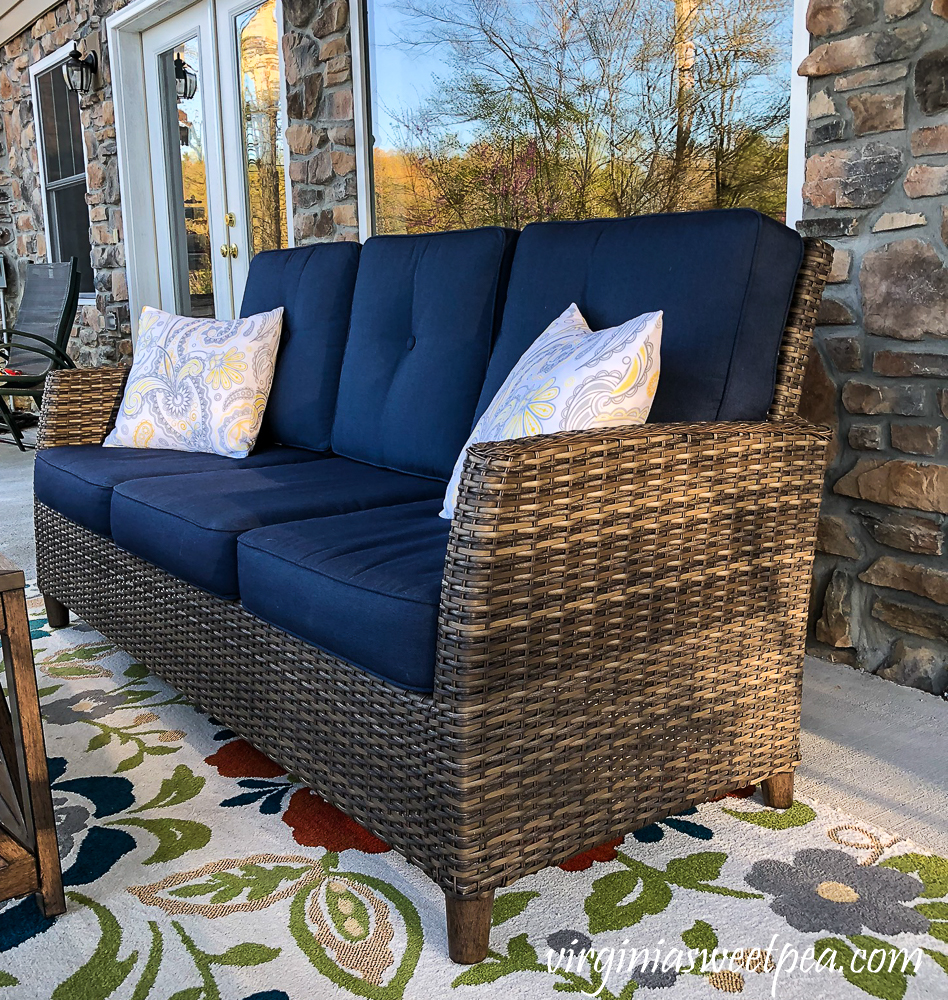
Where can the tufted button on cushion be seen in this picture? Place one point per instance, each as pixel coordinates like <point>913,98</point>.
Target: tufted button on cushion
<point>424,315</point>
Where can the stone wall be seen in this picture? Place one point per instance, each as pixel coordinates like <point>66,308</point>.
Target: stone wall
<point>321,130</point>
<point>22,235</point>
<point>320,135</point>
<point>876,180</point>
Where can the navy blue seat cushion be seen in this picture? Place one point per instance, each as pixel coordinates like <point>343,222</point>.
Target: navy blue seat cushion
<point>424,315</point>
<point>314,285</point>
<point>724,280</point>
<point>365,586</point>
<point>77,479</point>
<point>189,525</point>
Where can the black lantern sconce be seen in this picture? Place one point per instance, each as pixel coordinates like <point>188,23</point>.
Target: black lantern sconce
<point>79,71</point>
<point>185,79</point>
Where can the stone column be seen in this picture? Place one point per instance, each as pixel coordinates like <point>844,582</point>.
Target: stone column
<point>321,130</point>
<point>876,180</point>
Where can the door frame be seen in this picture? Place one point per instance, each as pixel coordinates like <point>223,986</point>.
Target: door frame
<point>124,30</point>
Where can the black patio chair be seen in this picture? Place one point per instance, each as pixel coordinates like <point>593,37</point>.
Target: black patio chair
<point>37,346</point>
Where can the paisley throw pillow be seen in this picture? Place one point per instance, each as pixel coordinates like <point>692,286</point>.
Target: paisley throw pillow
<point>572,378</point>
<point>198,384</point>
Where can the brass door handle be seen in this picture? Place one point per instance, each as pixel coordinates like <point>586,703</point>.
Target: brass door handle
<point>233,249</point>
<point>229,250</point>
<point>225,249</point>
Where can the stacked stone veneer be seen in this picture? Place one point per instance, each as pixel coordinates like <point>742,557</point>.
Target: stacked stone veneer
<point>876,187</point>
<point>320,136</point>
<point>321,132</point>
<point>22,234</point>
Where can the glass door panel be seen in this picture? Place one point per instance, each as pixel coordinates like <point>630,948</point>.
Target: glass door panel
<point>185,137</point>
<point>213,83</point>
<point>252,122</point>
<point>187,175</point>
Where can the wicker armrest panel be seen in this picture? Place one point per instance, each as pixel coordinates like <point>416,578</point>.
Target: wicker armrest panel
<point>622,626</point>
<point>80,405</point>
<point>594,474</point>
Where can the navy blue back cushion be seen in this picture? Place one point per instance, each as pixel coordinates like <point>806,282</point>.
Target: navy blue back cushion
<point>314,285</point>
<point>724,280</point>
<point>424,316</point>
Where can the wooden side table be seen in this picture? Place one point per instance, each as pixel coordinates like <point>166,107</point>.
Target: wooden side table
<point>29,853</point>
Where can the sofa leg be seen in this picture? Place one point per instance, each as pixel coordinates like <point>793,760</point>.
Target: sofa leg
<point>468,927</point>
<point>56,612</point>
<point>778,790</point>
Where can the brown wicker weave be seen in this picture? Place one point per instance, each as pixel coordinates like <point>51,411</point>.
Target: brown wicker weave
<point>621,637</point>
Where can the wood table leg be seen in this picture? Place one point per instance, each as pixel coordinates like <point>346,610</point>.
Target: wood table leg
<point>25,709</point>
<point>57,614</point>
<point>468,927</point>
<point>778,790</point>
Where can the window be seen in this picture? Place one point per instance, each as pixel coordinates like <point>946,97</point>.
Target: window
<point>506,112</point>
<point>64,172</point>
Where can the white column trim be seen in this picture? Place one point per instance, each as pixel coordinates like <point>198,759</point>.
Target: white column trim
<point>796,152</point>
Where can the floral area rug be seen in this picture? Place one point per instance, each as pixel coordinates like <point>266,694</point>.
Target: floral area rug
<point>196,869</point>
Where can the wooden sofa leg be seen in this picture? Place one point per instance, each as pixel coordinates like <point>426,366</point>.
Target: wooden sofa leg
<point>56,612</point>
<point>778,790</point>
<point>468,927</point>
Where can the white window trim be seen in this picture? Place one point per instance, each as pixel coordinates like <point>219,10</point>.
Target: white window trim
<point>362,97</point>
<point>133,149</point>
<point>39,68</point>
<point>362,115</point>
<point>796,146</point>
<point>287,183</point>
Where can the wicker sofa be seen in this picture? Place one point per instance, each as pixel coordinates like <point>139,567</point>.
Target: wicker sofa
<point>609,631</point>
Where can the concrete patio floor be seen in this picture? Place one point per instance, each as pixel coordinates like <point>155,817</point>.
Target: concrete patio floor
<point>873,749</point>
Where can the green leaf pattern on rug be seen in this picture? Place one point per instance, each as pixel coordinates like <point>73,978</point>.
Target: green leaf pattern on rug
<point>938,958</point>
<point>889,983</point>
<point>125,735</point>
<point>256,881</point>
<point>521,956</point>
<point>239,955</point>
<point>152,964</point>
<point>606,906</point>
<point>74,663</point>
<point>233,885</point>
<point>937,913</point>
<point>175,836</point>
<point>182,786</point>
<point>932,870</point>
<point>356,955</point>
<point>510,905</point>
<point>799,814</point>
<point>104,973</point>
<point>7,980</point>
<point>700,937</point>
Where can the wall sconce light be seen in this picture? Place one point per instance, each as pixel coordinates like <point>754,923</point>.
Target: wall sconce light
<point>185,79</point>
<point>79,71</point>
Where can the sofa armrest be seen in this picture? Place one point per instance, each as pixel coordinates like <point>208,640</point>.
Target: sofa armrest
<point>622,628</point>
<point>80,405</point>
<point>581,545</point>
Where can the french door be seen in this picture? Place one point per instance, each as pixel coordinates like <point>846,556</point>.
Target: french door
<point>214,121</point>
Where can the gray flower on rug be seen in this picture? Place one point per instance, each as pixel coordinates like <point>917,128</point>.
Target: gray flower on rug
<point>85,705</point>
<point>650,976</point>
<point>71,820</point>
<point>826,890</point>
<point>567,941</point>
